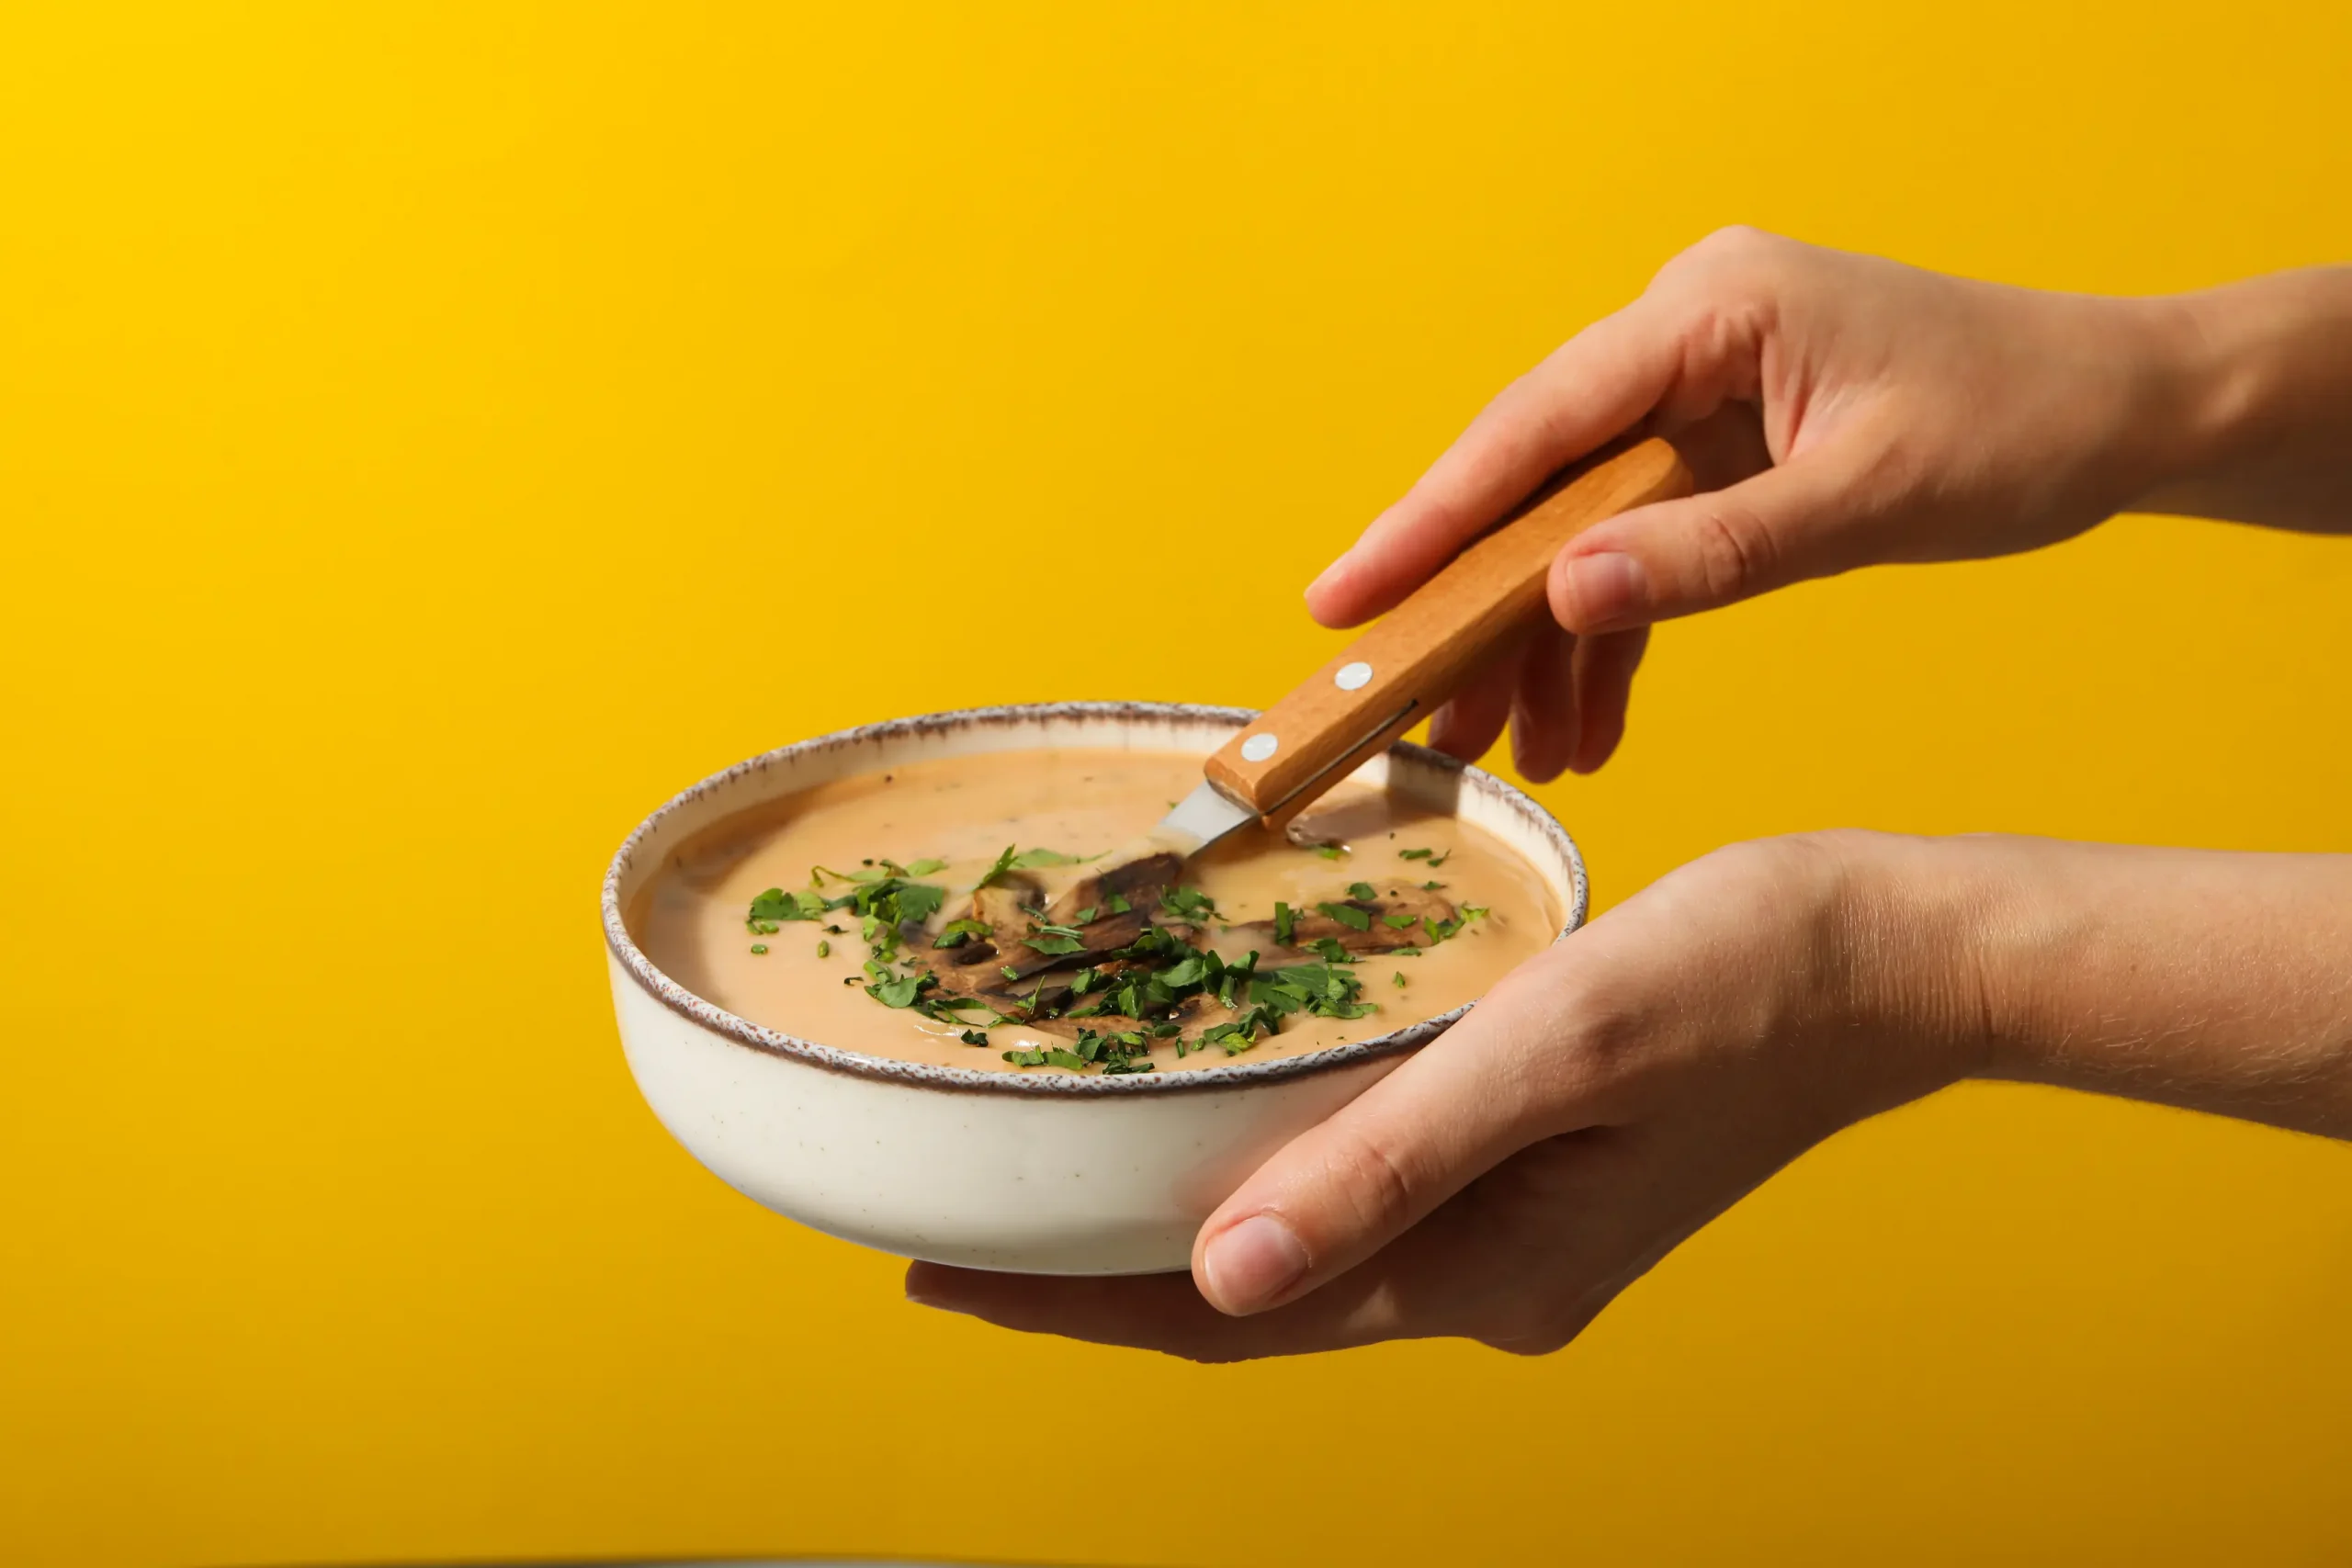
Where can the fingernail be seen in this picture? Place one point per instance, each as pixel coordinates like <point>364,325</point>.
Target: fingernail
<point>1607,588</point>
<point>1253,1263</point>
<point>1330,575</point>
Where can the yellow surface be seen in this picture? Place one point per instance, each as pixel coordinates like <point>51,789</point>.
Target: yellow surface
<point>429,435</point>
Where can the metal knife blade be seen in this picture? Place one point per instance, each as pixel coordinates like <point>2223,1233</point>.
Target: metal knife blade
<point>1200,819</point>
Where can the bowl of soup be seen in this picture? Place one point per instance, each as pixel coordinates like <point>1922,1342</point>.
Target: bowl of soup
<point>895,984</point>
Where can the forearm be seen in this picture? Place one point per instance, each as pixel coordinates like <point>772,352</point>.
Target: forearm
<point>2214,981</point>
<point>2263,373</point>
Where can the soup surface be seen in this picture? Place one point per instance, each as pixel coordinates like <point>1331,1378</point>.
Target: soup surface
<point>990,912</point>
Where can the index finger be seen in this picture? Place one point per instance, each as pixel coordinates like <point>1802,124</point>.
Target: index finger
<point>1595,386</point>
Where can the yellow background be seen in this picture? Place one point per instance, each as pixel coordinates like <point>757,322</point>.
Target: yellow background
<point>431,433</point>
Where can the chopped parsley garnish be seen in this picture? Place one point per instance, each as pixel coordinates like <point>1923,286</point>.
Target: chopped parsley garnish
<point>958,933</point>
<point>1056,942</point>
<point>900,992</point>
<point>1025,860</point>
<point>1440,930</point>
<point>760,947</point>
<point>1347,915</point>
<point>1431,856</point>
<point>1330,852</point>
<point>1188,904</point>
<point>775,904</point>
<point>1121,1001</point>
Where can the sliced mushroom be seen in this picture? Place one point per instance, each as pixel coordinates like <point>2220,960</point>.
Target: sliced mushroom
<point>1106,934</point>
<point>1139,881</point>
<point>1311,925</point>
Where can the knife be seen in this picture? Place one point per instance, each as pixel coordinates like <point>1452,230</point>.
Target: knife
<point>1403,669</point>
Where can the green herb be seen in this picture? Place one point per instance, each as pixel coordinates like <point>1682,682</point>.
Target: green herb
<point>973,1037</point>
<point>1026,1058</point>
<point>1440,930</point>
<point>775,904</point>
<point>1398,922</point>
<point>1026,859</point>
<point>882,903</point>
<point>1186,972</point>
<point>1188,904</point>
<point>925,867</point>
<point>1085,916</point>
<point>1324,989</point>
<point>1330,852</point>
<point>1363,890</point>
<point>1285,923</point>
<point>1058,941</point>
<point>1008,972</point>
<point>824,948</point>
<point>1347,915</point>
<point>901,991</point>
<point>1431,886</point>
<point>958,933</point>
<point>759,947</point>
<point>1397,979</point>
<point>1119,905</point>
<point>1332,950</point>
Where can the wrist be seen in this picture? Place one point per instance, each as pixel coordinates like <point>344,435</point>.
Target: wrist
<point>2255,395</point>
<point>1911,919</point>
<point>2188,405</point>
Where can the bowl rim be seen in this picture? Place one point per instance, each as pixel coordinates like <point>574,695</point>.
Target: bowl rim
<point>1234,1075</point>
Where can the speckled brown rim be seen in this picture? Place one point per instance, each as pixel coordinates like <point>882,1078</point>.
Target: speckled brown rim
<point>923,1074</point>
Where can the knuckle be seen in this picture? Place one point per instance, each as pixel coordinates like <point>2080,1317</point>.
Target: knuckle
<point>1730,252</point>
<point>1736,242</point>
<point>1734,552</point>
<point>1373,1182</point>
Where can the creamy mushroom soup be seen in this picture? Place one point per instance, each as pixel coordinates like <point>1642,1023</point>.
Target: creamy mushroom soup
<point>986,912</point>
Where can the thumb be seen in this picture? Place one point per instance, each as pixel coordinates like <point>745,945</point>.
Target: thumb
<point>1705,551</point>
<point>1339,1193</point>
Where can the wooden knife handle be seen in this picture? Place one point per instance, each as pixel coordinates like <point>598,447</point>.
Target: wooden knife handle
<point>1415,657</point>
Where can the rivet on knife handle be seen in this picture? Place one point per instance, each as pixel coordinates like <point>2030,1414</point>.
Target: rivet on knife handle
<point>1407,665</point>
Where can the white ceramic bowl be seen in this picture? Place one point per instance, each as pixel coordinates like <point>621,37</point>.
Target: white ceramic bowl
<point>1047,1173</point>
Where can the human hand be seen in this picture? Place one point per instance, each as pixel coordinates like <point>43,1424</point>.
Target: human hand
<point>1615,1093</point>
<point>1852,411</point>
<point>1600,1105</point>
